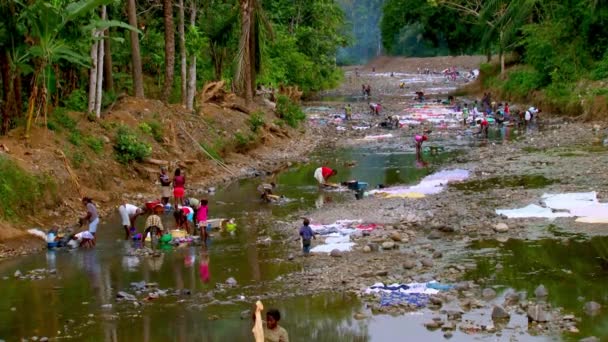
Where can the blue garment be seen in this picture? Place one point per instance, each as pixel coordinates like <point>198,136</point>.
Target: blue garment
<point>398,298</point>
<point>306,232</point>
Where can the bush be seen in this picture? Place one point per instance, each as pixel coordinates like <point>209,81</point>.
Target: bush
<point>522,82</point>
<point>601,69</point>
<point>128,148</point>
<point>290,112</point>
<point>77,158</point>
<point>214,151</point>
<point>256,120</point>
<point>19,190</point>
<point>78,100</point>
<point>95,144</point>
<point>75,138</point>
<point>154,129</point>
<point>61,118</point>
<point>241,140</point>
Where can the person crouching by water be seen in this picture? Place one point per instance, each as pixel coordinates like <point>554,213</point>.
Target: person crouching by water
<point>83,239</point>
<point>323,173</point>
<point>128,215</point>
<point>273,332</point>
<point>91,217</point>
<point>307,235</point>
<point>154,222</point>
<point>419,139</point>
<point>165,185</point>
<point>265,191</point>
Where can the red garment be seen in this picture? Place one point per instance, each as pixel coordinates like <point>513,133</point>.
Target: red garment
<point>484,122</point>
<point>179,181</point>
<point>326,172</point>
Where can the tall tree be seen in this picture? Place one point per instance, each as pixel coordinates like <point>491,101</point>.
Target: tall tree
<point>169,49</point>
<point>245,77</point>
<point>138,79</point>
<point>182,51</point>
<point>108,79</point>
<point>191,87</point>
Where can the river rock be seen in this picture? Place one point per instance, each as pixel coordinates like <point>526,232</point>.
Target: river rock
<point>335,253</point>
<point>488,293</point>
<point>498,312</point>
<point>537,313</point>
<point>426,262</point>
<point>436,300</point>
<point>511,298</point>
<point>432,325</point>
<point>592,308</point>
<point>231,281</point>
<point>541,291</point>
<point>408,264</point>
<point>246,314</point>
<point>396,237</point>
<point>382,273</point>
<point>17,274</point>
<point>374,247</point>
<point>589,339</point>
<point>367,249</point>
<point>388,245</point>
<point>125,296</point>
<point>434,235</point>
<point>501,228</point>
<point>360,316</point>
<point>437,255</point>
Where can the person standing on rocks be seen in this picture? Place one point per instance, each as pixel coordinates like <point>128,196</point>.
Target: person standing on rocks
<point>323,173</point>
<point>91,217</point>
<point>165,185</point>
<point>348,112</point>
<point>179,183</point>
<point>307,235</point>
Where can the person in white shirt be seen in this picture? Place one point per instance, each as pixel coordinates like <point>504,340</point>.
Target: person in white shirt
<point>128,215</point>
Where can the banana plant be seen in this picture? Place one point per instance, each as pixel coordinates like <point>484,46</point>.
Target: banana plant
<point>45,24</point>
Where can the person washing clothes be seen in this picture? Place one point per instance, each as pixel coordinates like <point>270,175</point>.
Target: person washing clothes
<point>128,215</point>
<point>323,174</point>
<point>91,217</point>
<point>484,126</point>
<point>265,191</point>
<point>307,235</point>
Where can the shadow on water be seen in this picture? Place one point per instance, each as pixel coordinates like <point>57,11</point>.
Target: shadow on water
<point>574,272</point>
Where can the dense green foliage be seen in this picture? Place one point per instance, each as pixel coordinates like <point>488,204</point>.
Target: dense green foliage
<point>420,28</point>
<point>561,46</point>
<point>289,112</point>
<point>45,49</point>
<point>129,148</point>
<point>19,190</point>
<point>363,22</point>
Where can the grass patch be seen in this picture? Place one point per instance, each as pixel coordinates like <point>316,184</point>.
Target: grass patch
<point>523,181</point>
<point>256,120</point>
<point>20,190</point>
<point>95,144</point>
<point>289,111</point>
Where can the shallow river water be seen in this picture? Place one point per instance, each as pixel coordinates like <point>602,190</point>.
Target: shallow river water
<point>79,301</point>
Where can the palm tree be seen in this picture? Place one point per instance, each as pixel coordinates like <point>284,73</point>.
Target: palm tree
<point>254,27</point>
<point>169,49</point>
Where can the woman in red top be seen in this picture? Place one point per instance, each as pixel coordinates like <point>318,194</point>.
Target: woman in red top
<point>323,173</point>
<point>179,182</point>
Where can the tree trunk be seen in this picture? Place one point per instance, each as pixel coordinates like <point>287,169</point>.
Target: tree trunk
<point>488,56</point>
<point>93,74</point>
<point>502,55</point>
<point>100,59</point>
<point>217,57</point>
<point>108,79</point>
<point>138,80</point>
<point>182,52</point>
<point>243,77</point>
<point>169,49</point>
<point>6,91</point>
<point>191,91</point>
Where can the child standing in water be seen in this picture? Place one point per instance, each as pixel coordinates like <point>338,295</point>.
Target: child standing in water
<point>307,235</point>
<point>419,139</point>
<point>465,114</point>
<point>179,183</point>
<point>202,214</point>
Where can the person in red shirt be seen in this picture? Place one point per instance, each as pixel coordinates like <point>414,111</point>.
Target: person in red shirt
<point>323,173</point>
<point>484,127</point>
